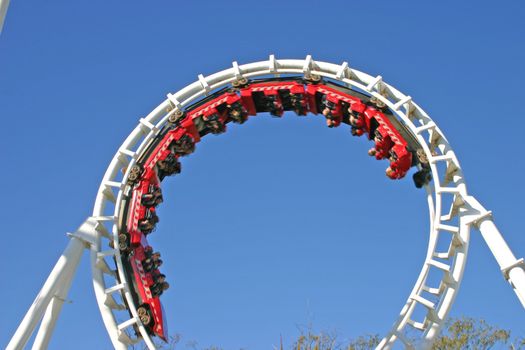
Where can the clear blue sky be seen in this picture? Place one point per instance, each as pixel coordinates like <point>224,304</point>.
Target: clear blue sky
<point>277,223</point>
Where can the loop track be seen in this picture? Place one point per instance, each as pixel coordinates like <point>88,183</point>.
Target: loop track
<point>452,211</point>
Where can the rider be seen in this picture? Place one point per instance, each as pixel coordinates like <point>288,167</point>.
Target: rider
<point>153,265</point>
<point>213,122</point>
<point>357,123</point>
<point>383,143</point>
<point>158,288</point>
<point>147,223</point>
<point>169,166</point>
<point>400,162</point>
<point>184,145</point>
<point>332,110</point>
<point>152,198</point>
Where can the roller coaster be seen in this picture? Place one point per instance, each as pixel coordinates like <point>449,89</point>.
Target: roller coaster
<point>127,277</point>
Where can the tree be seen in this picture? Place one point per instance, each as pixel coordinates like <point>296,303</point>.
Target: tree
<point>458,334</point>
<point>468,333</point>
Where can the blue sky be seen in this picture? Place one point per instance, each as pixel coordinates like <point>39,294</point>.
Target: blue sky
<point>278,223</point>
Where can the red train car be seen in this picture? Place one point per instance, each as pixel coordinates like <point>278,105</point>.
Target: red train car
<point>334,104</point>
<point>212,115</point>
<point>141,216</point>
<point>400,162</point>
<point>145,291</point>
<point>274,97</point>
<point>339,106</point>
<point>383,143</point>
<point>397,151</point>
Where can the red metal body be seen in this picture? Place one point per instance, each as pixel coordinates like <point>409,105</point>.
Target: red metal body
<point>369,119</point>
<point>350,102</point>
<point>383,143</point>
<point>278,96</point>
<point>401,163</point>
<point>360,125</point>
<point>137,211</point>
<point>375,118</point>
<point>337,104</point>
<point>144,281</point>
<point>212,106</point>
<point>216,107</point>
<point>162,150</point>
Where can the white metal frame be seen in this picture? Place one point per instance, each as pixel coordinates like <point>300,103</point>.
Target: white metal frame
<point>4,4</point>
<point>452,213</point>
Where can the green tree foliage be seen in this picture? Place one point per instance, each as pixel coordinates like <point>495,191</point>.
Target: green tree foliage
<point>330,341</point>
<point>468,333</point>
<point>458,334</point>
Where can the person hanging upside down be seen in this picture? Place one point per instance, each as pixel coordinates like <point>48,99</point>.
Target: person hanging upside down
<point>357,123</point>
<point>237,113</point>
<point>158,288</point>
<point>183,146</point>
<point>400,162</point>
<point>383,144</point>
<point>152,265</point>
<point>151,260</point>
<point>147,223</point>
<point>159,277</point>
<point>153,198</point>
<point>332,110</point>
<point>169,166</point>
<point>298,104</point>
<point>274,105</point>
<point>213,122</point>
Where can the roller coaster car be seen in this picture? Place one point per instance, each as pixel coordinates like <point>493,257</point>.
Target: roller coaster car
<point>371,119</point>
<point>294,100</point>
<point>379,124</point>
<point>257,100</point>
<point>149,308</point>
<point>212,114</point>
<point>235,109</point>
<point>140,212</point>
<point>336,105</point>
<point>161,158</point>
<point>332,109</point>
<point>383,143</point>
<point>400,161</point>
<point>357,126</point>
<point>275,98</point>
<point>357,119</point>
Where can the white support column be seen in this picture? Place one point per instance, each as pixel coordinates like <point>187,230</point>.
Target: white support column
<point>66,262</point>
<point>4,4</point>
<point>48,324</point>
<point>55,306</point>
<point>513,269</point>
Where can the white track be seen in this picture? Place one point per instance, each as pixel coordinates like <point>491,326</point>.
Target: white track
<point>452,213</point>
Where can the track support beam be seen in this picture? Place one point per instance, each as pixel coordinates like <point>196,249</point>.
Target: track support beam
<point>4,4</point>
<point>512,269</point>
<point>48,303</point>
